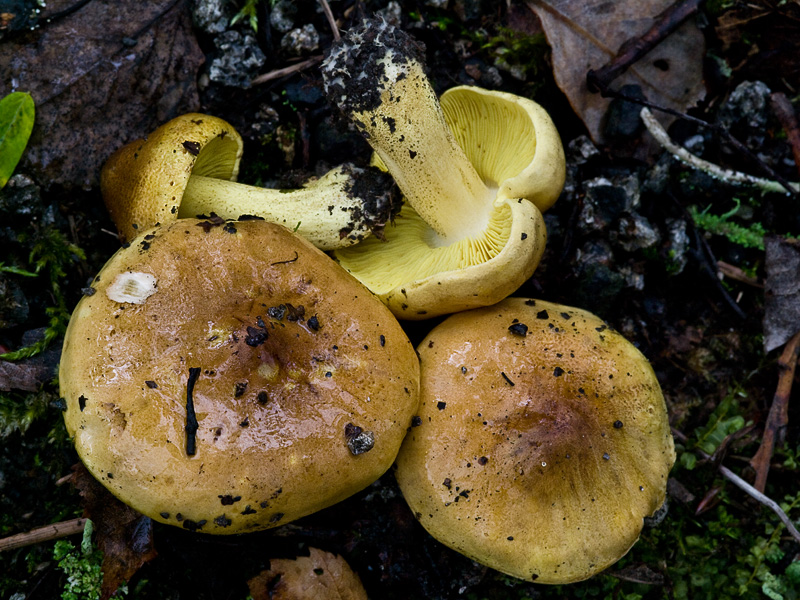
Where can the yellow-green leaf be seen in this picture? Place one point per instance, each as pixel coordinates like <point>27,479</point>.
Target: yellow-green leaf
<point>16,123</point>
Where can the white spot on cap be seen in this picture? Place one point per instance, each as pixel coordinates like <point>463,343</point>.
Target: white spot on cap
<point>133,288</point>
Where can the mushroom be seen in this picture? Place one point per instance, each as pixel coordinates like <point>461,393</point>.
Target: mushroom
<point>188,168</point>
<point>228,377</point>
<point>541,442</point>
<point>476,172</point>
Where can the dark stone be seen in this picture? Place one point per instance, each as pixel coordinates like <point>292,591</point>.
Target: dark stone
<point>14,308</point>
<point>622,117</point>
<point>238,59</point>
<point>304,92</point>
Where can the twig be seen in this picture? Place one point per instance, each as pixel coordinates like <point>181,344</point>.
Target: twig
<point>331,21</point>
<point>278,73</point>
<point>635,48</point>
<point>778,417</point>
<point>65,479</point>
<point>748,489</point>
<point>727,175</point>
<point>43,534</point>
<point>724,133</point>
<point>765,500</point>
<point>707,261</point>
<point>734,272</point>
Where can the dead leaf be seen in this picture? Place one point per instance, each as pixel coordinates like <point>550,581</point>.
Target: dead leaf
<point>31,373</point>
<point>28,375</point>
<point>319,576</point>
<point>782,291</point>
<point>587,35</point>
<point>124,535</point>
<point>104,75</point>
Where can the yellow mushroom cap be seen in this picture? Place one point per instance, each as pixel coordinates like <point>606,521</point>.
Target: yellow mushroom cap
<point>188,168</point>
<point>228,377</point>
<point>143,182</point>
<point>542,440</point>
<point>476,172</point>
<point>510,140</point>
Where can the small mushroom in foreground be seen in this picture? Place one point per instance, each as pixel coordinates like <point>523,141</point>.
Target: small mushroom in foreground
<point>542,440</point>
<point>476,172</point>
<point>219,374</point>
<point>188,168</point>
<point>318,576</point>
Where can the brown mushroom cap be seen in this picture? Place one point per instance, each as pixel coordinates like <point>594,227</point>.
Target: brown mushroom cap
<point>542,443</point>
<point>305,386</point>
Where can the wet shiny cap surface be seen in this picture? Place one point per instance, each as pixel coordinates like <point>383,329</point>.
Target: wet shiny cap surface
<point>228,376</point>
<point>543,440</point>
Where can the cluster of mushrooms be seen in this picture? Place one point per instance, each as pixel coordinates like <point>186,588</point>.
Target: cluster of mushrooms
<point>226,375</point>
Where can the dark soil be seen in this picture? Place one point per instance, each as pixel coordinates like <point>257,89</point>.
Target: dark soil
<point>621,243</point>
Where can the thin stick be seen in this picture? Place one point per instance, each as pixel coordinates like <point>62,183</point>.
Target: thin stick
<point>778,416</point>
<point>635,48</point>
<point>765,500</point>
<point>278,73</point>
<point>47,533</point>
<point>707,260</point>
<point>724,133</point>
<point>748,489</point>
<point>686,157</point>
<point>736,273</point>
<point>331,21</point>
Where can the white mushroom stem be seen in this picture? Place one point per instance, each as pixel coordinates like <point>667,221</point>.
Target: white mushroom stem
<point>686,157</point>
<point>404,124</point>
<point>328,211</point>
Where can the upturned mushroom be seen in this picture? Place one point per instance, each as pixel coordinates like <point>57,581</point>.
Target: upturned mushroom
<point>188,168</point>
<point>476,172</point>
<point>228,377</point>
<point>541,443</point>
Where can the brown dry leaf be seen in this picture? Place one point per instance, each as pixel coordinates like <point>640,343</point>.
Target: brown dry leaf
<point>28,375</point>
<point>782,291</point>
<point>319,576</point>
<point>587,35</point>
<point>124,535</point>
<point>104,75</point>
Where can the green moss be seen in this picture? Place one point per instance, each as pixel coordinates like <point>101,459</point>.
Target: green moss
<point>724,421</point>
<point>82,567</point>
<point>18,411</point>
<point>248,12</point>
<point>717,7</point>
<point>751,236</point>
<point>51,255</point>
<point>522,54</point>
